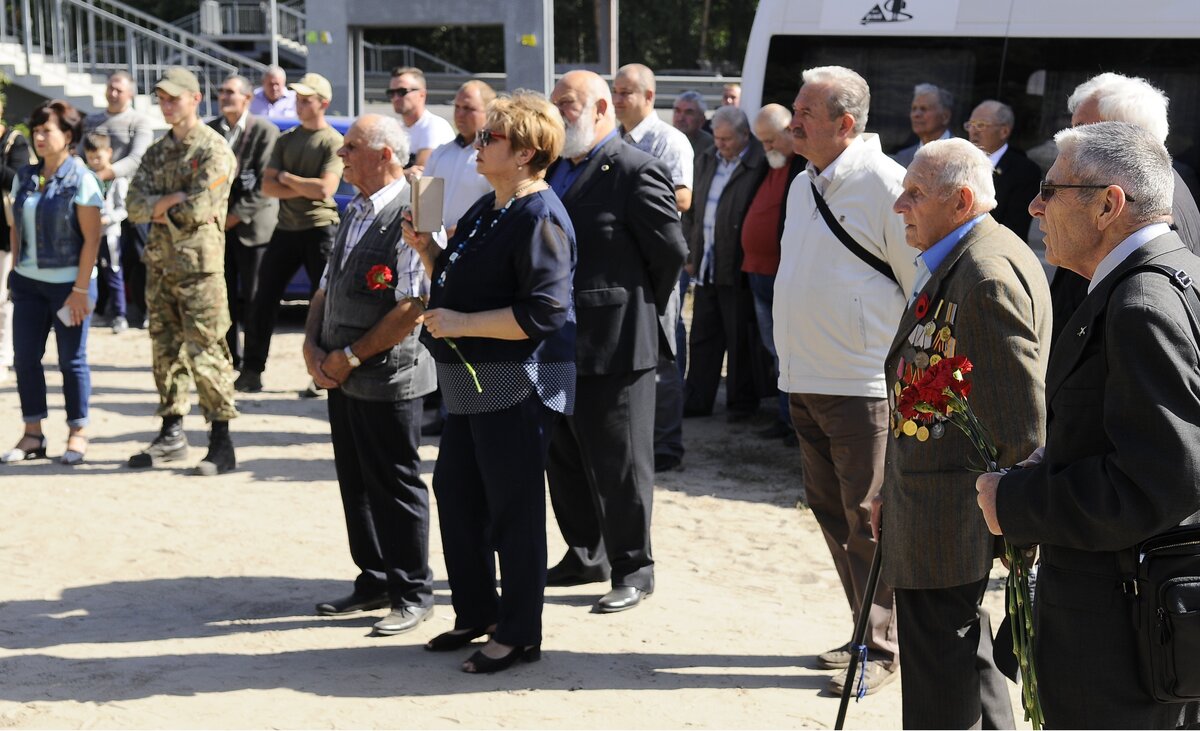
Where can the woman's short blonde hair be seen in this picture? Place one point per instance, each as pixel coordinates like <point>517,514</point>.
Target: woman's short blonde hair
<point>530,122</point>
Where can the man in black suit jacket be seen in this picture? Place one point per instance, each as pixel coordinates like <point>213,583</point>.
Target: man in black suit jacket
<point>1123,425</point>
<point>252,215</point>
<point>1016,176</point>
<point>631,251</point>
<point>1116,98</point>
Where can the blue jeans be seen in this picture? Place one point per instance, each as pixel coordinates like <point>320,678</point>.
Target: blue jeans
<point>34,306</point>
<point>762,287</point>
<point>109,263</point>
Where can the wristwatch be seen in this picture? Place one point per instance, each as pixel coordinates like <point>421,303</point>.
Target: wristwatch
<point>351,358</point>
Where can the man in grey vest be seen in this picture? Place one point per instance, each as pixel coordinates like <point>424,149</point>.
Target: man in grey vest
<point>361,344</point>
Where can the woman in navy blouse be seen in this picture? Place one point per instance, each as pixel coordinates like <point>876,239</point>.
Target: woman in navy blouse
<point>501,327</point>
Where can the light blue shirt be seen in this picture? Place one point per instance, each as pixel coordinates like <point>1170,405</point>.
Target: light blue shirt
<point>1132,243</point>
<point>929,260</point>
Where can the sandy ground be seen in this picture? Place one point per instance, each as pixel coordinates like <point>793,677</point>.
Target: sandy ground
<point>157,599</point>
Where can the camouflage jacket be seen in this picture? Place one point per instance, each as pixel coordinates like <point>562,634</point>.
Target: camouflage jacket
<point>202,166</point>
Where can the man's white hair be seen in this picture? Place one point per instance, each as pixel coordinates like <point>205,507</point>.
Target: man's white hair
<point>775,115</point>
<point>384,131</point>
<point>849,93</point>
<point>1125,99</point>
<point>1124,154</point>
<point>957,164</point>
<point>944,98</point>
<point>735,118</point>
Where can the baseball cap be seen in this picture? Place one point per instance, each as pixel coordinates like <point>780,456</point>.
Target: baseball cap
<point>177,80</point>
<point>310,84</point>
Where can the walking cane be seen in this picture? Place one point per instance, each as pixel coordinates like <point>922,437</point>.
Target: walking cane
<point>858,648</point>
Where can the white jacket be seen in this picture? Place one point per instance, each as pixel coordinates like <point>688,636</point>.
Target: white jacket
<point>835,316</point>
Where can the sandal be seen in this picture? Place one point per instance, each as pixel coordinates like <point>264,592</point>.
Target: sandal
<point>16,454</point>
<point>481,663</point>
<point>72,457</point>
<point>455,639</point>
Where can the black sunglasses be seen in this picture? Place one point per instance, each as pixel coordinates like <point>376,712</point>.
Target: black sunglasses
<point>401,91</point>
<point>484,137</point>
<point>1047,190</point>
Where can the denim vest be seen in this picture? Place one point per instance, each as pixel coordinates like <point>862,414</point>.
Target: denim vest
<point>57,233</point>
<point>406,371</point>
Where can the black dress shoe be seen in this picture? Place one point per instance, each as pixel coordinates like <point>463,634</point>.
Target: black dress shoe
<point>777,430</point>
<point>353,603</point>
<point>403,619</point>
<point>733,416</point>
<point>248,382</point>
<point>620,599</point>
<point>667,463</point>
<point>562,574</point>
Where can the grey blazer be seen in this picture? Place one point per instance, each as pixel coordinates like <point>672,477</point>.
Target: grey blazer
<point>934,535</point>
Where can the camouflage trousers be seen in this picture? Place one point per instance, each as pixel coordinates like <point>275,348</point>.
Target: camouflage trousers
<point>188,318</point>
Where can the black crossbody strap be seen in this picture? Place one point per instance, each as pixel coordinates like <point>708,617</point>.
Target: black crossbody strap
<point>848,241</point>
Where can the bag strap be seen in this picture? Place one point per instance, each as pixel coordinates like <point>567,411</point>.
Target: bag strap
<point>848,241</point>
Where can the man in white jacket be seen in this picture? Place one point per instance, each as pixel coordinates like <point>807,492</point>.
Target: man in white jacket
<point>836,312</point>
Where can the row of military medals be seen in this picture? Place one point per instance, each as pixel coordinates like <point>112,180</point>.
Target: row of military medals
<point>927,345</point>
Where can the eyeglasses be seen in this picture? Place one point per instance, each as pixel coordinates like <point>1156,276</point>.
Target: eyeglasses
<point>1047,190</point>
<point>400,91</point>
<point>229,91</point>
<point>971,125</point>
<point>484,137</point>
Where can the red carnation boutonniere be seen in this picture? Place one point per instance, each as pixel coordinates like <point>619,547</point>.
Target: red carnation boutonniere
<point>921,308</point>
<point>379,277</point>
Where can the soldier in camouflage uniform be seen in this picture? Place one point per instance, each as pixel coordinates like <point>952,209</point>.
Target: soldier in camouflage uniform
<point>182,189</point>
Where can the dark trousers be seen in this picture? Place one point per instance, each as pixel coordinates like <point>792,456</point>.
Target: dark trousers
<point>241,282</point>
<point>762,288</point>
<point>842,444</point>
<point>133,243</point>
<point>722,323</point>
<point>601,474</point>
<point>386,503</point>
<point>110,299</point>
<point>490,485</point>
<point>950,680</point>
<point>35,304</point>
<point>286,253</point>
<point>668,392</point>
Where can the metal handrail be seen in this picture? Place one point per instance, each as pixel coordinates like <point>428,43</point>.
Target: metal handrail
<point>373,55</point>
<point>245,20</point>
<point>85,38</point>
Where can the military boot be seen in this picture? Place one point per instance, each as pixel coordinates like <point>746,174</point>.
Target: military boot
<point>220,458</point>
<point>169,446</point>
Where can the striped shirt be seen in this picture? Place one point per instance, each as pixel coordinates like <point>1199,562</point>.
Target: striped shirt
<point>720,178</point>
<point>410,279</point>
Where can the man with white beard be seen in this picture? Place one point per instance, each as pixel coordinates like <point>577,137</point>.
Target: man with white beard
<point>762,229</point>
<point>631,251</point>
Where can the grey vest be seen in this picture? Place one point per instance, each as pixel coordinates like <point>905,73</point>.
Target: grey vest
<point>405,371</point>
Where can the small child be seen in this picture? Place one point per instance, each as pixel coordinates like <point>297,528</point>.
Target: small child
<point>98,151</point>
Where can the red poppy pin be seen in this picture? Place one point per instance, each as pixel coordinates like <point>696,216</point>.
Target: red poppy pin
<point>921,308</point>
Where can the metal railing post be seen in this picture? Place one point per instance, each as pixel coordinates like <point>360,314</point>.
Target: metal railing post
<point>27,22</point>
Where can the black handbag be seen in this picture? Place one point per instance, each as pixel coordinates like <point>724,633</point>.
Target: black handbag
<point>1165,591</point>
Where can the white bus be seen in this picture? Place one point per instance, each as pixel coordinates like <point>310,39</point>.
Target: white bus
<point>1028,53</point>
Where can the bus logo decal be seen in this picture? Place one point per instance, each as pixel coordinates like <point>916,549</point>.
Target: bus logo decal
<point>890,11</point>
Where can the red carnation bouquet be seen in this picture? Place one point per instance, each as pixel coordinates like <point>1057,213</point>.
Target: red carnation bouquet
<point>379,277</point>
<point>940,396</point>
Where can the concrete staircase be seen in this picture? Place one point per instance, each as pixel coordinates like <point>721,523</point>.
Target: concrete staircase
<point>49,80</point>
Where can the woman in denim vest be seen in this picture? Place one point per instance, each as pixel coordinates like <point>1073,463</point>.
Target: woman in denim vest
<point>500,300</point>
<point>55,238</point>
